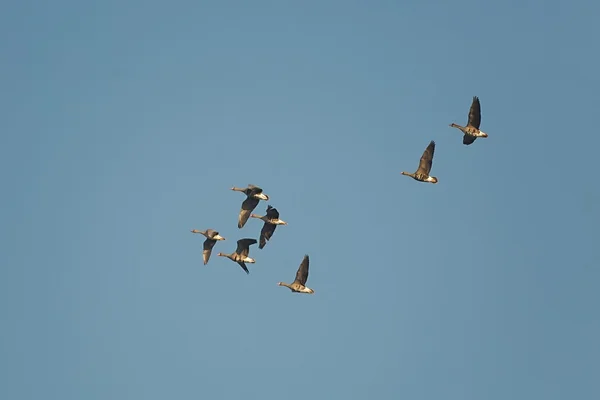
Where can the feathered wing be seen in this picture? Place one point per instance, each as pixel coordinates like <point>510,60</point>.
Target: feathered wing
<point>302,273</point>
<point>266,233</point>
<point>211,233</point>
<point>426,159</point>
<point>468,139</point>
<point>254,189</point>
<point>272,213</point>
<point>243,246</point>
<point>243,265</point>
<point>208,246</point>
<point>247,207</point>
<point>475,113</point>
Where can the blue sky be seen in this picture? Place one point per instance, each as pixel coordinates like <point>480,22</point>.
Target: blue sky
<point>124,124</point>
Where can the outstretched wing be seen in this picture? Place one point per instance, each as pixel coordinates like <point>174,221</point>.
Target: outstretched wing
<point>475,113</point>
<point>266,233</point>
<point>243,246</point>
<point>208,246</point>
<point>427,159</point>
<point>247,207</point>
<point>468,139</point>
<point>211,233</point>
<point>302,273</point>
<point>254,190</point>
<point>272,213</point>
<point>243,265</point>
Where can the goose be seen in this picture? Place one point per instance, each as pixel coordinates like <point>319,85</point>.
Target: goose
<point>301,277</point>
<point>422,173</point>
<point>271,222</point>
<point>240,255</point>
<point>211,238</point>
<point>471,131</point>
<point>253,195</point>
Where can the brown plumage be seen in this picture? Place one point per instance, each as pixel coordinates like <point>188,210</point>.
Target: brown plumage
<point>212,237</point>
<point>299,283</point>
<point>253,195</point>
<point>271,222</point>
<point>425,163</point>
<point>471,131</point>
<point>240,255</point>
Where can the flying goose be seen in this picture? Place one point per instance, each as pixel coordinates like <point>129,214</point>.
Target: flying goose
<point>253,195</point>
<point>471,131</point>
<point>422,173</point>
<point>301,277</point>
<point>211,238</point>
<point>240,255</point>
<point>271,222</point>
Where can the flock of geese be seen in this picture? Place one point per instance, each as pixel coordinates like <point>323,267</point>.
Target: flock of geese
<point>254,194</point>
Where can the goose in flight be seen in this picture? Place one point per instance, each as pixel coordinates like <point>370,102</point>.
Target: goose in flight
<point>240,255</point>
<point>471,131</point>
<point>271,222</point>
<point>253,195</point>
<point>298,285</point>
<point>211,238</point>
<point>422,173</point>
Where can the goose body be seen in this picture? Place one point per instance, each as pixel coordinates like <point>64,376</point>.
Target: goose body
<point>299,284</point>
<point>271,221</point>
<point>212,237</point>
<point>253,195</point>
<point>472,131</point>
<point>240,255</point>
<point>425,163</point>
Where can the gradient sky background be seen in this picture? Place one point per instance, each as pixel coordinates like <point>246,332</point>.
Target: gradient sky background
<point>124,124</point>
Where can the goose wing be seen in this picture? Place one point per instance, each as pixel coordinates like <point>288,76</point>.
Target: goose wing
<point>243,265</point>
<point>247,207</point>
<point>266,233</point>
<point>243,246</point>
<point>475,113</point>
<point>254,189</point>
<point>211,233</point>
<point>302,273</point>
<point>427,159</point>
<point>468,139</point>
<point>272,213</point>
<point>208,246</point>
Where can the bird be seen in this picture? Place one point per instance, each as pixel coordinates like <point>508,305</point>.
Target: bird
<point>301,277</point>
<point>240,255</point>
<point>471,131</point>
<point>422,173</point>
<point>271,222</point>
<point>253,195</point>
<point>211,238</point>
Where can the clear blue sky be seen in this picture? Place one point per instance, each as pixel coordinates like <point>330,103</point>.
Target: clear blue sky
<point>124,124</point>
